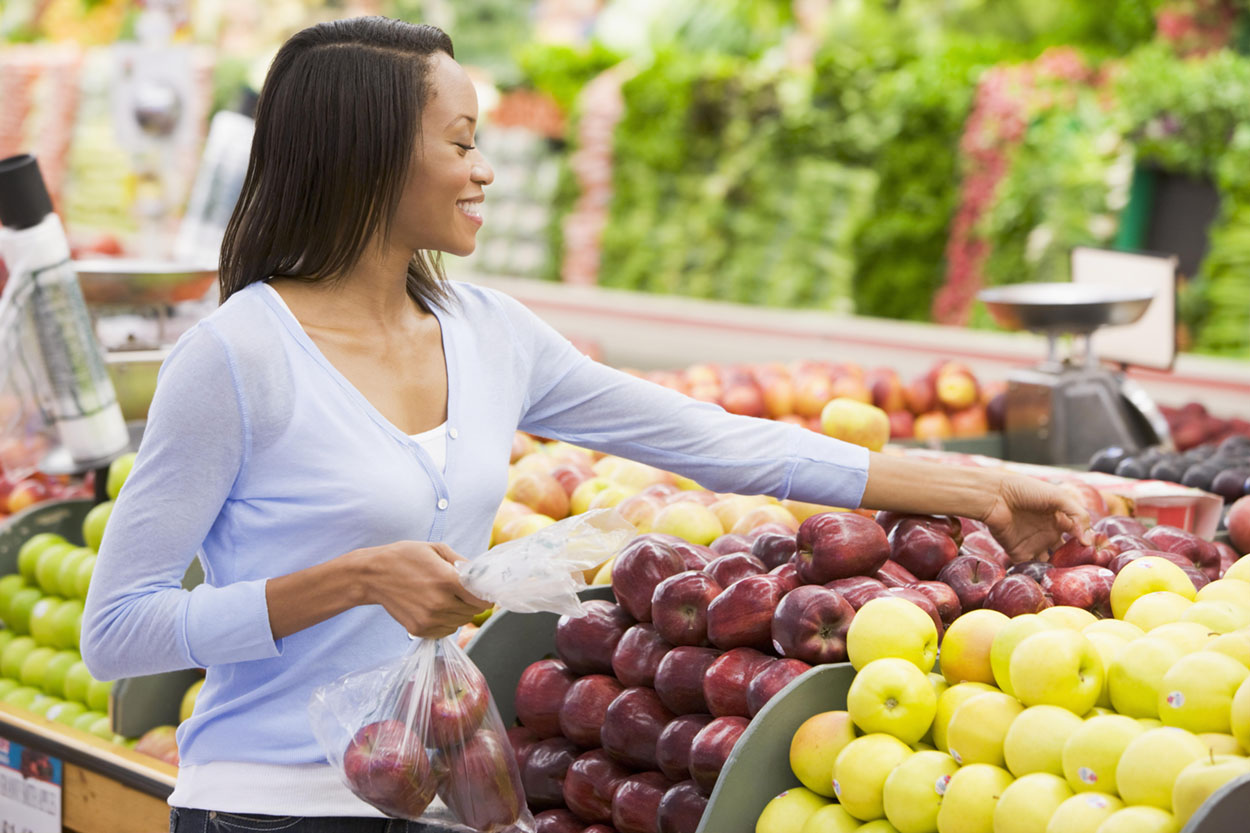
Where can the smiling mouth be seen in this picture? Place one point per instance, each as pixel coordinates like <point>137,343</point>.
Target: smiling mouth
<point>471,209</point>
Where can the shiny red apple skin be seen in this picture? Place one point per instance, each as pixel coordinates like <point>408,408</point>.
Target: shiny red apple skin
<point>943,597</point>
<point>1035,570</point>
<point>542,776</point>
<point>742,615</point>
<point>1086,586</point>
<point>1113,525</point>
<point>971,577</point>
<point>679,679</point>
<point>771,680</point>
<point>694,556</point>
<point>638,654</point>
<point>480,783</point>
<point>729,542</point>
<point>726,680</point>
<point>1016,595</point>
<point>857,590</point>
<point>711,748</point>
<point>637,802</point>
<point>893,574</point>
<point>586,643</point>
<point>590,784</point>
<point>632,725</point>
<point>1196,576</point>
<point>1202,553</point>
<point>982,543</point>
<point>521,740</point>
<point>558,821</point>
<point>672,749</point>
<point>834,545</point>
<point>922,601</point>
<point>810,624</point>
<point>679,607</point>
<point>923,545</point>
<point>773,550</point>
<point>727,569</point>
<point>887,520</point>
<point>681,809</point>
<point>787,576</point>
<point>639,567</point>
<point>585,706</point>
<point>539,693</point>
<point>386,765</point>
<point>1228,556</point>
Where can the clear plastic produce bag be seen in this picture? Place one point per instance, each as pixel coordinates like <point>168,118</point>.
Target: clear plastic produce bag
<point>27,432</point>
<point>425,725</point>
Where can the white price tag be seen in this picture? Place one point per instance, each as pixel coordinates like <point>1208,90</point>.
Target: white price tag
<point>30,790</point>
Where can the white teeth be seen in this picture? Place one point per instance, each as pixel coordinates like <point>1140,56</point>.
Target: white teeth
<point>470,208</point>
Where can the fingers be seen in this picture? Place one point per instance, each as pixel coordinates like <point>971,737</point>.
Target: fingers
<point>447,553</point>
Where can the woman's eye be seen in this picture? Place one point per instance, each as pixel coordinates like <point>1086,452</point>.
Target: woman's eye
<point>466,148</point>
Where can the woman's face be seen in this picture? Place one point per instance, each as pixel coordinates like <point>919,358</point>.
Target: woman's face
<point>440,208</point>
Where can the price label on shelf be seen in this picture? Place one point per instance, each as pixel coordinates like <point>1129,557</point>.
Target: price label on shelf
<point>30,790</point>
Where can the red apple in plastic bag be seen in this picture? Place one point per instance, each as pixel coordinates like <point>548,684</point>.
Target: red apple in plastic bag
<point>386,765</point>
<point>479,782</point>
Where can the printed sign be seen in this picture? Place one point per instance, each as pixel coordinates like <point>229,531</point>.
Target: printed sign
<point>30,790</point>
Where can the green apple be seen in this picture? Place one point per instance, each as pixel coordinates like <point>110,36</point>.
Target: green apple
<point>1034,742</point>
<point>1197,692</point>
<point>1093,752</point>
<point>1058,667</point>
<point>1235,644</point>
<point>20,608</point>
<point>42,703</point>
<point>892,627</point>
<point>973,791</point>
<point>877,826</point>
<point>1135,676</point>
<point>1200,779</point>
<point>860,771</point>
<point>789,810</point>
<point>1005,642</point>
<point>913,791</point>
<point>29,553</point>
<point>7,685</point>
<point>6,636</point>
<point>35,666</point>
<point>67,623</point>
<point>187,706</point>
<point>67,576</point>
<point>1028,803</point>
<point>1066,616</point>
<point>965,653</point>
<point>978,727</point>
<point>1083,813</point>
<point>1219,743</point>
<point>93,524</point>
<point>1239,714</point>
<point>1239,571</point>
<point>56,671</point>
<point>1226,590</point>
<point>22,696</point>
<point>1108,646</point>
<point>14,655</point>
<point>1150,722</point>
<point>1139,820</point>
<point>947,702</point>
<point>77,680</point>
<point>98,695</point>
<point>1188,636</point>
<point>893,696</point>
<point>65,712</point>
<point>48,566</point>
<point>103,729</point>
<point>119,470</point>
<point>1220,616</point>
<point>939,688</point>
<point>1151,762</point>
<point>9,585</point>
<point>82,578</point>
<point>1118,627</point>
<point>1147,575</point>
<point>1157,608</point>
<point>830,819</point>
<point>86,720</point>
<point>41,626</point>
<point>815,746</point>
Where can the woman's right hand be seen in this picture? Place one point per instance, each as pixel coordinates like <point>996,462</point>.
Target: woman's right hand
<point>417,583</point>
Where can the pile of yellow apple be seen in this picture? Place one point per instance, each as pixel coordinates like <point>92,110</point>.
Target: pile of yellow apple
<point>1054,722</point>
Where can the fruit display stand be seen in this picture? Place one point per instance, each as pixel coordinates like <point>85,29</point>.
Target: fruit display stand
<point>106,787</point>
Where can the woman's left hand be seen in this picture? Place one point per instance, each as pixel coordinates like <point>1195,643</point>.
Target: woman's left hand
<point>1028,516</point>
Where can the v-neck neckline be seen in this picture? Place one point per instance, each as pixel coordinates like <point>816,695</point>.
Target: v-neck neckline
<point>277,303</point>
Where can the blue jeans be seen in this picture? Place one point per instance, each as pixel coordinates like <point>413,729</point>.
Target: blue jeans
<point>206,821</point>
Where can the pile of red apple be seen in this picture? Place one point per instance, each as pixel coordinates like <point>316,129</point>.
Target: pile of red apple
<point>1191,425</point>
<point>946,401</point>
<point>16,495</point>
<point>443,741</point>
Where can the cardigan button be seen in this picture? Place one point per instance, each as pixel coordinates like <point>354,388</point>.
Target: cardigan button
<point>453,433</point>
<point>442,503</point>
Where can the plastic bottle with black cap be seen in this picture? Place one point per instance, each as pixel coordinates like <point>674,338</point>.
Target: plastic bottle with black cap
<point>49,327</point>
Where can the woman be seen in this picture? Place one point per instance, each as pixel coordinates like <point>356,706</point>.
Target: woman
<point>335,436</point>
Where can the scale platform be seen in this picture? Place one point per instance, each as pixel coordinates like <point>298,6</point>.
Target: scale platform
<point>1064,410</point>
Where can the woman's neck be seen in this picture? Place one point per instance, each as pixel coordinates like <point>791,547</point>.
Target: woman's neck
<point>374,293</point>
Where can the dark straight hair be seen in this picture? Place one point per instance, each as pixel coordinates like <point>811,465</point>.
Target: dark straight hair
<point>336,124</point>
